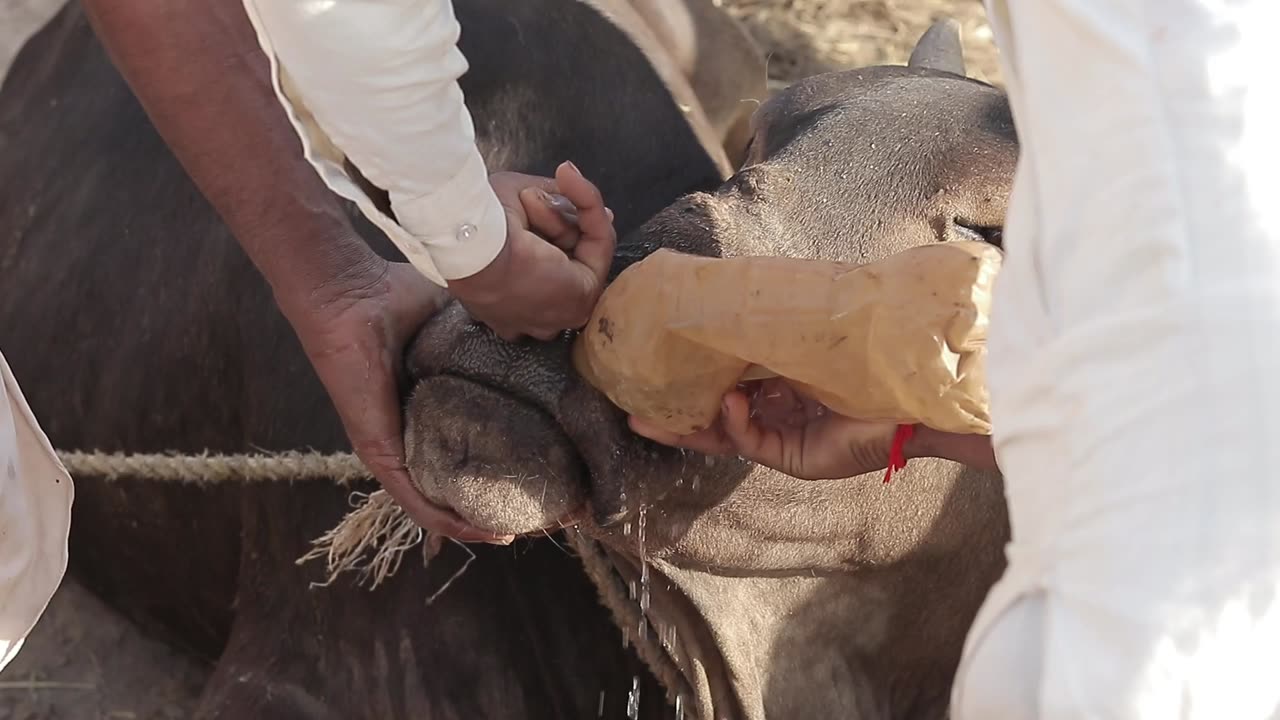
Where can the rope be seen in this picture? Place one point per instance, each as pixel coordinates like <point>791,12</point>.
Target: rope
<point>212,469</point>
<point>371,539</point>
<point>626,615</point>
<point>376,526</point>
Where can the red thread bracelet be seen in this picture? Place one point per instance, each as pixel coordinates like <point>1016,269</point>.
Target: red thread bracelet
<point>897,456</point>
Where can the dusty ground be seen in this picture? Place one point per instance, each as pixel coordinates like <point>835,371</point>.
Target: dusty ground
<point>83,662</point>
<point>804,37</point>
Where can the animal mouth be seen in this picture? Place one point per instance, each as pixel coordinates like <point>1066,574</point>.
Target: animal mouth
<point>511,439</point>
<point>579,475</point>
<point>499,461</point>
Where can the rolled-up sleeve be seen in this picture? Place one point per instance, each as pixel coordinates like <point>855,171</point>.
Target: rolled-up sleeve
<point>1134,384</point>
<point>376,82</point>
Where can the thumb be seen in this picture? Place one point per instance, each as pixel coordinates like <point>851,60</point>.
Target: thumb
<point>745,435</point>
<point>595,222</point>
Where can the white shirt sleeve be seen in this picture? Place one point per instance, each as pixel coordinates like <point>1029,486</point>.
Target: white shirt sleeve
<point>376,81</point>
<point>1133,365</point>
<point>35,518</point>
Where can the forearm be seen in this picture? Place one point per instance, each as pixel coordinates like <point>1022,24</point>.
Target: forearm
<point>198,72</point>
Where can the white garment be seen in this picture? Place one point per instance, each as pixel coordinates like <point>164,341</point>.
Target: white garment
<point>18,20</point>
<point>376,81</point>
<point>1134,352</point>
<point>35,518</point>
<point>35,491</point>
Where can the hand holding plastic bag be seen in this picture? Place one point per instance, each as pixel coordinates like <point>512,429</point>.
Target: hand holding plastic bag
<point>898,341</point>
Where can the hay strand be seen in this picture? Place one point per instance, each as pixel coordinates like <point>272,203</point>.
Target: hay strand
<point>370,540</point>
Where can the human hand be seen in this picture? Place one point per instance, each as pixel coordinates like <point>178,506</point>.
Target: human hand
<point>354,332</point>
<point>541,287</point>
<point>352,310</point>
<point>770,423</point>
<point>773,425</point>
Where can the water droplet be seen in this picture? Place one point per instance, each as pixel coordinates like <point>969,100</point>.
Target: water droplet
<point>600,705</point>
<point>679,706</point>
<point>669,638</point>
<point>697,480</point>
<point>633,699</point>
<point>466,232</point>
<point>644,563</point>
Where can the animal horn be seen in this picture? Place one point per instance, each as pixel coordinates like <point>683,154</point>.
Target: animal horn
<point>939,48</point>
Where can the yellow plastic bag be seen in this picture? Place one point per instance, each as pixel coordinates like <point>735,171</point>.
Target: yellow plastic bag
<point>902,339</point>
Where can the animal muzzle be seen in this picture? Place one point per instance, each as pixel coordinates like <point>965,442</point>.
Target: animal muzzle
<point>513,440</point>
<point>499,463</point>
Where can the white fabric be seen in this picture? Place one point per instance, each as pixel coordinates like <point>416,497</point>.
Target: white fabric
<point>376,81</point>
<point>18,20</point>
<point>1134,353</point>
<point>35,491</point>
<point>35,518</point>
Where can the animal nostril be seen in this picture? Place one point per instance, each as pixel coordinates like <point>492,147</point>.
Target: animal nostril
<point>461,455</point>
<point>452,452</point>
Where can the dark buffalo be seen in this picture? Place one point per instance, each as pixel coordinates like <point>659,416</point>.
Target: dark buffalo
<point>766,596</point>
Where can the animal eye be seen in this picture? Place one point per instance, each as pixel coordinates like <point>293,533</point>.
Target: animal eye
<point>991,234</point>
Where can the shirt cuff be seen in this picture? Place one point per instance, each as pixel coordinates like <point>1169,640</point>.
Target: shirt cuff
<point>462,226</point>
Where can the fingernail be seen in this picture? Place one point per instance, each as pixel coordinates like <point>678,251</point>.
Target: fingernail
<point>609,212</point>
<point>569,164</point>
<point>558,202</point>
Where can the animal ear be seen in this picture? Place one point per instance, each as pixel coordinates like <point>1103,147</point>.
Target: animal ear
<point>939,48</point>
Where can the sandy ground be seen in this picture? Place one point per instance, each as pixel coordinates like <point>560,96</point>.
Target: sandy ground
<point>804,37</point>
<point>84,662</point>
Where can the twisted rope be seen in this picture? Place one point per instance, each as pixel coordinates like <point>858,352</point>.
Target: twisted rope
<point>376,525</point>
<point>655,654</point>
<point>212,469</point>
